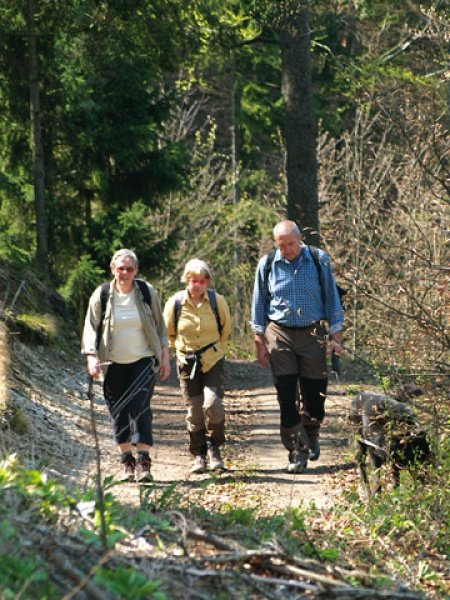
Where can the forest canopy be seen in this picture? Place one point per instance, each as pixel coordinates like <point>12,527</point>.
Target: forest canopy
<point>177,130</point>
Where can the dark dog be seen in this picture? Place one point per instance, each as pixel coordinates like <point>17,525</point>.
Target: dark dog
<point>388,433</point>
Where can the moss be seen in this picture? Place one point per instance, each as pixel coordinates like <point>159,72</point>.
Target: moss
<point>18,421</point>
<point>38,328</point>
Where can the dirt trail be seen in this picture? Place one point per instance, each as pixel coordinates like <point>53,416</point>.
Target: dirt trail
<point>50,390</point>
<point>254,455</point>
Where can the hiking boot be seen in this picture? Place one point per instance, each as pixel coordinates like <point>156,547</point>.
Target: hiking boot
<point>199,464</point>
<point>214,459</point>
<point>128,467</point>
<point>314,449</point>
<point>297,463</point>
<point>143,465</point>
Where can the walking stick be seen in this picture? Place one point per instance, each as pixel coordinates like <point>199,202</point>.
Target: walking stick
<point>100,496</point>
<point>336,364</point>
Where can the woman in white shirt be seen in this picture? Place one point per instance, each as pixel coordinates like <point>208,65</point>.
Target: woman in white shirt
<point>125,338</point>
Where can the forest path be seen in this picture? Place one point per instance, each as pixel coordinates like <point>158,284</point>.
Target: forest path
<point>51,390</point>
<point>254,457</point>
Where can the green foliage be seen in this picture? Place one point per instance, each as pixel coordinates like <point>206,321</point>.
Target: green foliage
<point>81,282</point>
<point>39,495</point>
<point>413,518</point>
<point>135,227</point>
<point>45,326</point>
<point>128,583</point>
<point>12,253</point>
<point>103,112</point>
<point>24,576</point>
<point>244,516</point>
<point>16,235</point>
<point>107,513</point>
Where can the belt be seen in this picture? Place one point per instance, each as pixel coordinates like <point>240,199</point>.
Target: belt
<point>314,324</point>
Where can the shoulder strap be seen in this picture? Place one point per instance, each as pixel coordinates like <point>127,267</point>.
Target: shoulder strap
<point>213,303</point>
<point>315,254</point>
<point>144,289</point>
<point>177,309</point>
<point>104,291</point>
<point>267,268</point>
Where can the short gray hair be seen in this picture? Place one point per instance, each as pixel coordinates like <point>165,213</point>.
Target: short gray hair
<point>195,266</point>
<point>124,253</point>
<point>284,227</point>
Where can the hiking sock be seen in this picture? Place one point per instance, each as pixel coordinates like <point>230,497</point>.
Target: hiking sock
<point>126,457</point>
<point>143,454</point>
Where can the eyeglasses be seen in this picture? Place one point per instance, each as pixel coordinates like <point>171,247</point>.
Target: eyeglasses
<point>127,269</point>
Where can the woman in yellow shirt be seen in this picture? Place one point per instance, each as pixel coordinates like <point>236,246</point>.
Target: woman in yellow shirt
<point>198,325</point>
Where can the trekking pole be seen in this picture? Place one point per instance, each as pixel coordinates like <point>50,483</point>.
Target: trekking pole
<point>100,496</point>
<point>336,366</point>
<point>336,363</point>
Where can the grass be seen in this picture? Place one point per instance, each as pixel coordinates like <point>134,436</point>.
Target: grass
<point>399,535</point>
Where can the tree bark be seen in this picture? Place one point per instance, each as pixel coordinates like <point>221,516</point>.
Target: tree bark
<point>37,146</point>
<point>300,126</point>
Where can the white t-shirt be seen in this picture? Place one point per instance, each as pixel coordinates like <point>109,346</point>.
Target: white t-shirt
<point>129,343</point>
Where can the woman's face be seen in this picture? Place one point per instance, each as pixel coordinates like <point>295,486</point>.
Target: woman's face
<point>124,271</point>
<point>197,285</point>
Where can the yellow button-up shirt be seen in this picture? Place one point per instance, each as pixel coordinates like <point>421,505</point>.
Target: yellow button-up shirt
<point>197,327</point>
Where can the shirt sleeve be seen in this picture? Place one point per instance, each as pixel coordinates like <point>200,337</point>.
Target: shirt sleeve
<point>158,317</point>
<point>333,307</point>
<point>91,324</point>
<point>259,300</point>
<point>169,319</point>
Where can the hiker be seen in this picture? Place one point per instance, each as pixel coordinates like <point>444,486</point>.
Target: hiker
<point>125,339</point>
<point>198,324</point>
<point>294,293</point>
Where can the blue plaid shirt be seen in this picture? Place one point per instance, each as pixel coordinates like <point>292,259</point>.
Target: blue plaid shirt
<point>293,294</point>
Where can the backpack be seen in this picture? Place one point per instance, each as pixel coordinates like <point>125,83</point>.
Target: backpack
<point>104,292</point>
<point>315,255</point>
<point>212,301</point>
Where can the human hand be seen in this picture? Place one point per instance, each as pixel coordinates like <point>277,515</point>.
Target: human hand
<point>93,366</point>
<point>335,347</point>
<point>262,354</point>
<point>164,370</point>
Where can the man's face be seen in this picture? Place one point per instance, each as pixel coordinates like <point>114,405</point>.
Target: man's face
<point>289,245</point>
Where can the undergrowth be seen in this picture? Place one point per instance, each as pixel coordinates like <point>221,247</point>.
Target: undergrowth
<point>398,537</point>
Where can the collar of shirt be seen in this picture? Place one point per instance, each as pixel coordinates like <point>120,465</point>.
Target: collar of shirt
<point>187,299</point>
<point>305,254</point>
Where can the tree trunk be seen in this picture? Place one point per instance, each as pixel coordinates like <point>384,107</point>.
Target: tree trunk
<point>300,127</point>
<point>37,146</point>
<point>235,192</point>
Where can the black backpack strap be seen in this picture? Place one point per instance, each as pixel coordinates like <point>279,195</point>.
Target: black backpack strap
<point>104,292</point>
<point>268,266</point>
<point>315,255</point>
<point>213,303</point>
<point>145,291</point>
<point>177,308</point>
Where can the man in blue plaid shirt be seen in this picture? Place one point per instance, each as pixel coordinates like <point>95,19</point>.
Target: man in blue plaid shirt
<point>289,309</point>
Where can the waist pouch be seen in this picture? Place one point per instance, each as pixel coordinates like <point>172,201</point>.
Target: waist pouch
<point>193,359</point>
